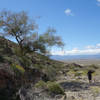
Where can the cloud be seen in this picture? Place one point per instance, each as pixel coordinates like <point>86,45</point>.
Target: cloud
<point>68,12</point>
<point>88,50</point>
<point>98,2</point>
<point>89,47</point>
<point>58,53</point>
<point>98,45</point>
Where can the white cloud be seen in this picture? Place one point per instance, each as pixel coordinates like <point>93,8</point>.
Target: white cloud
<point>98,45</point>
<point>89,47</point>
<point>98,2</point>
<point>68,12</point>
<point>89,50</point>
<point>58,53</point>
<point>77,52</point>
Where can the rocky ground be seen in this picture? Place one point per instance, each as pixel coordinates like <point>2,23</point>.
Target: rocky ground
<point>73,91</point>
<point>76,88</point>
<point>81,90</point>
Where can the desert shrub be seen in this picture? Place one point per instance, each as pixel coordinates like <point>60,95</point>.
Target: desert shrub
<point>78,73</point>
<point>18,70</point>
<point>41,84</point>
<point>81,72</point>
<point>17,51</point>
<point>7,50</point>
<point>21,69</point>
<point>71,72</point>
<point>55,88</point>
<point>50,72</point>
<point>93,66</point>
<point>39,66</point>
<point>25,61</point>
<point>8,59</point>
<point>76,69</point>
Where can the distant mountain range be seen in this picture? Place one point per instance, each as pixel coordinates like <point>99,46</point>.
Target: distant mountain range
<point>75,57</point>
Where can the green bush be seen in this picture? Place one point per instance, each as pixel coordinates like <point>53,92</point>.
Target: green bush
<point>93,66</point>
<point>41,84</point>
<point>52,87</point>
<point>8,59</point>
<point>50,72</point>
<point>17,51</point>
<point>78,73</point>
<point>18,70</point>
<point>39,66</point>
<point>55,88</point>
<point>25,61</point>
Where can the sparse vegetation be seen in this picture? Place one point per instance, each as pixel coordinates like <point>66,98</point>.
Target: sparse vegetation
<point>18,70</point>
<point>41,84</point>
<point>55,88</point>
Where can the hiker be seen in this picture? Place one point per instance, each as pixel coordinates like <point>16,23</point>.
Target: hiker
<point>90,75</point>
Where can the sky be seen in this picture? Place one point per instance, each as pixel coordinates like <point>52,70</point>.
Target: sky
<point>76,21</point>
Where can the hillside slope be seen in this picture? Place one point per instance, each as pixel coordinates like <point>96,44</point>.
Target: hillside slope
<point>36,77</point>
<point>35,67</point>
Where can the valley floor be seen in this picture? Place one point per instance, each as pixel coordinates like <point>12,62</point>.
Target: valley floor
<point>84,61</point>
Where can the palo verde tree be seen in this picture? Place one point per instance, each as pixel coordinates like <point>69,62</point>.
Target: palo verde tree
<point>44,42</point>
<point>16,25</point>
<point>19,26</point>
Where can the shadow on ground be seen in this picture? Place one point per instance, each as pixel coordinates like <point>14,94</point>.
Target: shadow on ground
<point>77,86</point>
<point>96,84</point>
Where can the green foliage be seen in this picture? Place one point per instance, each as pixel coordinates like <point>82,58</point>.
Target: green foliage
<point>42,43</point>
<point>50,72</point>
<point>17,25</point>
<point>39,66</point>
<point>55,88</point>
<point>93,67</point>
<point>38,46</point>
<point>41,84</point>
<point>17,51</point>
<point>81,73</point>
<point>78,73</point>
<point>50,39</point>
<point>52,87</point>
<point>21,69</point>
<point>18,70</point>
<point>8,59</point>
<point>25,61</point>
